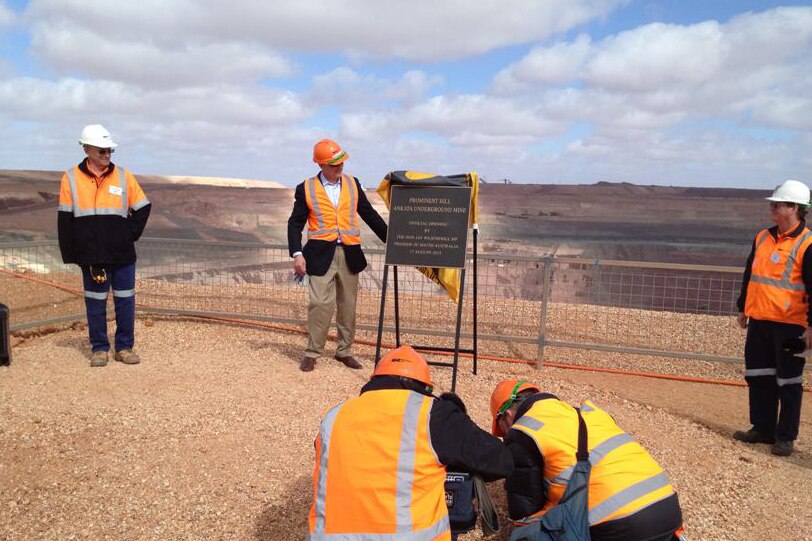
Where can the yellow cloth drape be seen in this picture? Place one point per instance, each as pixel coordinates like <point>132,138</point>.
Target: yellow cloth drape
<point>448,279</point>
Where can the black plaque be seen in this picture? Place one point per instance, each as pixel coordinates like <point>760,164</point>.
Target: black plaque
<point>428,226</point>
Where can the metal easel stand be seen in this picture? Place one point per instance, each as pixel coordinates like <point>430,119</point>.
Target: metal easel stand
<point>456,349</point>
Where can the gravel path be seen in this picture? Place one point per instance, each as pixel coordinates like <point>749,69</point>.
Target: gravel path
<point>211,438</point>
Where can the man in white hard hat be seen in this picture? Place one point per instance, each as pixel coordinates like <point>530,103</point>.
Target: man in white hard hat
<point>774,308</point>
<point>102,212</point>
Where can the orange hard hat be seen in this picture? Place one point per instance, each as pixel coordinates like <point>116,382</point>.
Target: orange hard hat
<point>328,152</point>
<point>405,362</point>
<point>503,397</point>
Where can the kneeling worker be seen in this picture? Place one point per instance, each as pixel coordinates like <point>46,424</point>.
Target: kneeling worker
<point>629,494</point>
<point>381,457</point>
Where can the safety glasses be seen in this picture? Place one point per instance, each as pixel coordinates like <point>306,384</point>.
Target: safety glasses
<point>509,402</point>
<point>105,150</point>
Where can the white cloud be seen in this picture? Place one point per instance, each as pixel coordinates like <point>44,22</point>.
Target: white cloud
<point>110,55</point>
<point>7,17</point>
<point>352,89</point>
<point>36,99</point>
<point>559,63</point>
<point>468,120</point>
<point>365,28</point>
<point>758,65</point>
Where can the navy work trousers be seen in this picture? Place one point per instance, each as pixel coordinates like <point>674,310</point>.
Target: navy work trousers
<point>774,378</point>
<point>122,280</point>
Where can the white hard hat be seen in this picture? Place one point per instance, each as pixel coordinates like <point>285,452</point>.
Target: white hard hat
<point>97,136</point>
<point>791,191</point>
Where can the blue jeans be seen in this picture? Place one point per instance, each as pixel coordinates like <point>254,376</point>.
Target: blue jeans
<point>122,280</point>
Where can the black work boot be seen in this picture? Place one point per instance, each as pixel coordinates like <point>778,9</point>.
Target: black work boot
<point>782,448</point>
<point>753,436</point>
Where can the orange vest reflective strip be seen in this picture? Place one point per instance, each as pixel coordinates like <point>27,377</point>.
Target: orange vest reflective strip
<point>388,484</point>
<point>776,291</point>
<point>113,197</point>
<point>614,492</point>
<point>328,222</point>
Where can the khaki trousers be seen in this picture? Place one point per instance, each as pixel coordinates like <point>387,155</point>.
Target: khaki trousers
<point>338,288</point>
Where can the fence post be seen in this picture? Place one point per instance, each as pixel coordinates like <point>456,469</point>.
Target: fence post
<point>545,292</point>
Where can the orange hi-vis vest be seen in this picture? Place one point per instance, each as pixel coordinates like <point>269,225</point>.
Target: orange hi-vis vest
<point>776,291</point>
<point>377,477</point>
<point>117,193</point>
<point>327,222</point>
<point>624,477</point>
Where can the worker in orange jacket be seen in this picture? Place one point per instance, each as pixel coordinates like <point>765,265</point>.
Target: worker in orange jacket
<point>774,308</point>
<point>330,204</point>
<point>630,497</point>
<point>102,212</point>
<point>381,457</point>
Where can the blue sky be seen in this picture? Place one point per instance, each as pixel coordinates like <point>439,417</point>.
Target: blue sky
<point>711,93</point>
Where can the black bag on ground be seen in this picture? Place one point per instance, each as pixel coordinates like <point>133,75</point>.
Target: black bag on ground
<point>459,498</point>
<point>569,520</point>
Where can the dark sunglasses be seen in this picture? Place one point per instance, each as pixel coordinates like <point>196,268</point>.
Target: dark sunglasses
<point>105,150</point>
<point>776,204</point>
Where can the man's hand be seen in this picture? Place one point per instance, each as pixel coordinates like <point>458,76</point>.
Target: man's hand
<point>741,319</point>
<point>807,337</point>
<point>299,265</point>
<point>454,399</point>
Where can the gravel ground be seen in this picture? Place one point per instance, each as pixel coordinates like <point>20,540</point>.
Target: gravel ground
<point>211,438</point>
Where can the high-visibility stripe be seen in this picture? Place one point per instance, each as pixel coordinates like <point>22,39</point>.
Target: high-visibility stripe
<point>789,381</point>
<point>125,205</point>
<point>793,254</point>
<point>356,230</point>
<point>66,208</point>
<point>781,284</point>
<point>321,491</point>
<point>100,212</point>
<point>586,408</point>
<point>784,282</point>
<point>321,232</point>
<point>406,459</point>
<point>311,188</point>
<point>595,455</point>
<point>140,204</point>
<point>123,293</point>
<point>74,193</point>
<point>627,496</point>
<point>762,239</point>
<point>529,423</point>
<point>426,534</point>
<point>96,295</point>
<point>753,372</point>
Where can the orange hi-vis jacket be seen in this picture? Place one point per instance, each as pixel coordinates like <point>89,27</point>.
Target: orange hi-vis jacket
<point>327,222</point>
<point>776,291</point>
<point>115,195</point>
<point>377,477</point>
<point>100,219</point>
<point>624,477</point>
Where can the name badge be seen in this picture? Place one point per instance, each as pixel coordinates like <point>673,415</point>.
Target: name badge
<point>775,258</point>
<point>115,190</point>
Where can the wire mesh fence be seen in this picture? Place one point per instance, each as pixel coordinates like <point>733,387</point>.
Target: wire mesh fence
<point>524,304</point>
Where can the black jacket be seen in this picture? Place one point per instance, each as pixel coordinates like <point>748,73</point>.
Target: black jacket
<point>459,443</point>
<point>806,271</point>
<point>100,239</point>
<point>318,254</point>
